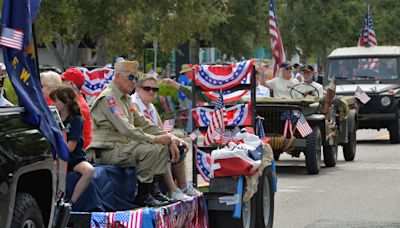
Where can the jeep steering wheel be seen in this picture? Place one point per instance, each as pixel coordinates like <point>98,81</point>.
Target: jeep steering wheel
<point>312,91</point>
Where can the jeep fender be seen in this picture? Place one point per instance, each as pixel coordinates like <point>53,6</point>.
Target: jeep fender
<point>318,120</point>
<point>347,125</point>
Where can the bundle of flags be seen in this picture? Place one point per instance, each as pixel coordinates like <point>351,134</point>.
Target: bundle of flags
<point>367,36</point>
<point>361,95</point>
<point>278,54</point>
<point>216,129</point>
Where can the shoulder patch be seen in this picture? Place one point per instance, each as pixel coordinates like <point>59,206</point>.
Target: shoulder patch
<point>114,107</point>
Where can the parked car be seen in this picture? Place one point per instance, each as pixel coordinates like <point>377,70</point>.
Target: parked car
<point>376,71</point>
<point>31,182</point>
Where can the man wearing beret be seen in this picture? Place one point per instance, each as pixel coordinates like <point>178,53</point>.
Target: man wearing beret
<point>123,137</point>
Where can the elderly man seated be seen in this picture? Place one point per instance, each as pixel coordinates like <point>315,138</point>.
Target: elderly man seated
<point>123,137</point>
<point>283,82</point>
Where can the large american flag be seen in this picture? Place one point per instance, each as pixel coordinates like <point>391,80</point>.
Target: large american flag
<point>367,35</point>
<point>361,95</point>
<point>303,127</point>
<point>278,54</point>
<point>128,219</point>
<point>216,129</point>
<point>12,38</point>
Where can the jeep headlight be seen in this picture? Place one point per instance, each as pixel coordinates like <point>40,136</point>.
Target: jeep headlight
<point>385,101</point>
<point>296,113</point>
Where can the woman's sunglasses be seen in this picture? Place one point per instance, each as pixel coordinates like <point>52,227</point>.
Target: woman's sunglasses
<point>148,89</point>
<point>132,77</point>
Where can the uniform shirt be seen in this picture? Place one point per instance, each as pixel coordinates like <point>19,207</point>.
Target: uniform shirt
<point>149,112</point>
<point>87,121</point>
<point>303,87</point>
<point>73,127</point>
<point>114,119</point>
<point>281,87</point>
<point>261,91</point>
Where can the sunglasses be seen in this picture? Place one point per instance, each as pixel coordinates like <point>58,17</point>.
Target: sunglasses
<point>132,77</point>
<point>288,68</point>
<point>148,89</point>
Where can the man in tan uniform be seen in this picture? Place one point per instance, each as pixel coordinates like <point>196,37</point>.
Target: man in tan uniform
<point>124,138</point>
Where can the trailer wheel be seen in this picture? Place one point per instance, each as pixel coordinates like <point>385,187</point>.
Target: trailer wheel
<point>26,212</point>
<point>265,199</point>
<point>313,151</point>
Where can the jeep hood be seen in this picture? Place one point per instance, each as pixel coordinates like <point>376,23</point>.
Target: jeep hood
<point>368,88</point>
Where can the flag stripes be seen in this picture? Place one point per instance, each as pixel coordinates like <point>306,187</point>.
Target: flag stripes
<point>278,54</point>
<point>12,38</point>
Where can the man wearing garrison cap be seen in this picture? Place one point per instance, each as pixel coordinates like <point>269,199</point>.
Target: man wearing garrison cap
<point>123,137</point>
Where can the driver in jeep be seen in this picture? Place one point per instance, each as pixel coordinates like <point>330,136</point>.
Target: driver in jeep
<point>308,87</point>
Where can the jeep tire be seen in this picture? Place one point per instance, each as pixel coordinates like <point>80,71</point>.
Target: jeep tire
<point>349,148</point>
<point>331,151</point>
<point>313,151</point>
<point>265,199</point>
<point>394,129</point>
<point>26,212</point>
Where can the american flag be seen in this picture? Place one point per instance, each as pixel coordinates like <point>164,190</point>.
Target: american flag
<point>169,125</point>
<point>367,35</point>
<point>195,134</point>
<point>361,95</point>
<point>278,54</point>
<point>128,219</point>
<point>303,127</point>
<point>12,38</point>
<point>216,129</point>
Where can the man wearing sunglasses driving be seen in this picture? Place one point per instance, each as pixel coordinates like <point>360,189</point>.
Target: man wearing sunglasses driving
<point>123,137</point>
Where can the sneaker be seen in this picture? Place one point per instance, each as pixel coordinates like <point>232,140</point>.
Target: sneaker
<point>191,191</point>
<point>178,195</point>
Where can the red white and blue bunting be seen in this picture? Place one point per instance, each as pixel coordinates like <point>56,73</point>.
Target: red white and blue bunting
<point>228,95</point>
<point>217,77</point>
<point>96,80</point>
<point>237,115</point>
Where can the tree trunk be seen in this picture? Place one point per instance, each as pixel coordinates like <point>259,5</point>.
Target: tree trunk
<point>100,57</point>
<point>65,54</point>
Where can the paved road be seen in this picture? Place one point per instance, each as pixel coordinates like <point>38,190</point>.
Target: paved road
<point>362,193</point>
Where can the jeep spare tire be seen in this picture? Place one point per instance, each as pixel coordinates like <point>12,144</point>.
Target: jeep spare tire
<point>26,212</point>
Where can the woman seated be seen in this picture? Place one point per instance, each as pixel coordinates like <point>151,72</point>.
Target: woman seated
<point>146,93</point>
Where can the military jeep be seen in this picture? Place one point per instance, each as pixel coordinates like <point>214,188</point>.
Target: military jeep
<point>31,182</point>
<point>332,124</point>
<point>376,71</point>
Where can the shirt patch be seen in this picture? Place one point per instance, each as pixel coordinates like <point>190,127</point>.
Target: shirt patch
<point>131,109</point>
<point>114,108</point>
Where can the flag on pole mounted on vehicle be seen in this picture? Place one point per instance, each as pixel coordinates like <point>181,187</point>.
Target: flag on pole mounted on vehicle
<point>278,54</point>
<point>367,36</point>
<point>361,95</point>
<point>22,70</point>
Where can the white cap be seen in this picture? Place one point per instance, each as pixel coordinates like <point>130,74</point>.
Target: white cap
<point>2,66</point>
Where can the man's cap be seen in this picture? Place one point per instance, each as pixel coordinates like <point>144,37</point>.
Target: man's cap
<point>127,66</point>
<point>74,75</point>
<point>185,68</point>
<point>286,65</point>
<point>297,65</point>
<point>308,68</point>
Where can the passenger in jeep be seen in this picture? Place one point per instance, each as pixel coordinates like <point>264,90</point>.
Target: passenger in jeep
<point>124,138</point>
<point>283,82</point>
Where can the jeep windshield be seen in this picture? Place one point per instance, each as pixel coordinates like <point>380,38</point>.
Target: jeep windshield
<point>363,70</point>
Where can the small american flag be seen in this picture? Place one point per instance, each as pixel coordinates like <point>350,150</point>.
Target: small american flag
<point>303,127</point>
<point>169,125</point>
<point>12,38</point>
<point>261,132</point>
<point>367,35</point>
<point>361,95</point>
<point>216,129</point>
<point>195,134</point>
<point>278,54</point>
<point>128,219</point>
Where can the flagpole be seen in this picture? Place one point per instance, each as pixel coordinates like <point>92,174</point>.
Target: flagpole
<point>35,47</point>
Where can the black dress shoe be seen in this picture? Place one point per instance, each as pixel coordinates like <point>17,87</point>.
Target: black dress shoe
<point>148,200</point>
<point>163,198</point>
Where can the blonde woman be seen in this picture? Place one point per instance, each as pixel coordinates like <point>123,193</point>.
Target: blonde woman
<point>146,92</point>
<point>49,80</point>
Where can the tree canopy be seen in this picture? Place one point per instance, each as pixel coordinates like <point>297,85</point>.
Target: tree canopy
<point>126,27</point>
